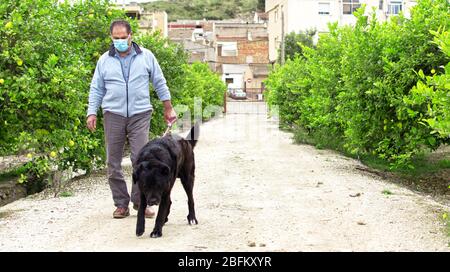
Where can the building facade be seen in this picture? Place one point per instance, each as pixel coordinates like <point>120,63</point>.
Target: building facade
<point>154,21</point>
<point>286,16</point>
<point>242,51</point>
<point>238,51</point>
<point>196,38</point>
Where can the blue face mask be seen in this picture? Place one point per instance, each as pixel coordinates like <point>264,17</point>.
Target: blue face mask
<point>121,44</point>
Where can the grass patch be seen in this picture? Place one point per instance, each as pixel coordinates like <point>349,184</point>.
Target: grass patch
<point>5,214</point>
<point>286,128</point>
<point>428,175</point>
<point>326,140</point>
<point>321,140</point>
<point>447,223</point>
<point>421,165</point>
<point>386,192</point>
<point>66,194</point>
<point>430,172</point>
<point>9,175</point>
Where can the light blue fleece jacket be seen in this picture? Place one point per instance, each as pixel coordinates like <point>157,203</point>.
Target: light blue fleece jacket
<point>110,89</point>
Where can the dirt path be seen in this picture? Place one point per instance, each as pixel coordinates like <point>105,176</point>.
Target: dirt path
<point>255,191</point>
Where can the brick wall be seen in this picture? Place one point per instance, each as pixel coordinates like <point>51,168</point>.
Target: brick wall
<point>258,50</point>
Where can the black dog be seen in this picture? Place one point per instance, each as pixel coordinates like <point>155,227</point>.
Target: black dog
<point>159,163</point>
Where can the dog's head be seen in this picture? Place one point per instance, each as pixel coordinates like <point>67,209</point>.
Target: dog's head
<point>153,179</point>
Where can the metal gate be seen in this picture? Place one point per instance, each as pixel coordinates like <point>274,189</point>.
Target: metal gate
<point>247,101</point>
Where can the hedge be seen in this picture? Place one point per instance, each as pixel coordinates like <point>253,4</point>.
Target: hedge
<point>378,88</point>
<point>48,52</point>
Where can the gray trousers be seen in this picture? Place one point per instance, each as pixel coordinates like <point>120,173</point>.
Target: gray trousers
<point>117,130</point>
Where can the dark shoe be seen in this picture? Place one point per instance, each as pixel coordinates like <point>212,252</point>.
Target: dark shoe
<point>121,212</point>
<point>149,212</point>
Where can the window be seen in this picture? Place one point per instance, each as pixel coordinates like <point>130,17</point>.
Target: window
<point>349,6</point>
<point>394,7</point>
<point>227,49</point>
<point>380,5</point>
<point>276,16</point>
<point>324,8</point>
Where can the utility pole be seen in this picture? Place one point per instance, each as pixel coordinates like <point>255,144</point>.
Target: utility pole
<point>283,51</point>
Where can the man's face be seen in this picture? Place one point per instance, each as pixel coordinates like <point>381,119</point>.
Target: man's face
<point>120,32</point>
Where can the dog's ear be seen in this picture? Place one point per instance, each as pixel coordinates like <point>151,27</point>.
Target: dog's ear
<point>192,137</point>
<point>137,170</point>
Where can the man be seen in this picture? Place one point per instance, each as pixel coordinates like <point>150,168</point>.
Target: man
<point>121,86</point>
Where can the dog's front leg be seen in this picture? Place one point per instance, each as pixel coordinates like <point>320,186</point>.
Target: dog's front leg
<point>163,212</point>
<point>140,225</point>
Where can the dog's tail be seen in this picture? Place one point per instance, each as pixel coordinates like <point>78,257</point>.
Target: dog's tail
<point>192,137</point>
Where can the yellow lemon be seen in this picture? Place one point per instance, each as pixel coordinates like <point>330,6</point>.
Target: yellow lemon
<point>8,25</point>
<point>29,156</point>
<point>53,154</point>
<point>2,81</point>
<point>433,71</point>
<point>19,62</point>
<point>109,13</point>
<point>71,143</point>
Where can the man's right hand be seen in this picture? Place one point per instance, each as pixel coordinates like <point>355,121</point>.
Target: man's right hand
<point>92,122</point>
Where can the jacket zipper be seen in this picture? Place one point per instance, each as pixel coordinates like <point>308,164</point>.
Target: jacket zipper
<point>126,80</point>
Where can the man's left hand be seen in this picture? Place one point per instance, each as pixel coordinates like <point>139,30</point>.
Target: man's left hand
<point>169,113</point>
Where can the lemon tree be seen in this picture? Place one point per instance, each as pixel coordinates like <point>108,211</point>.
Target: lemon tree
<point>373,88</point>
